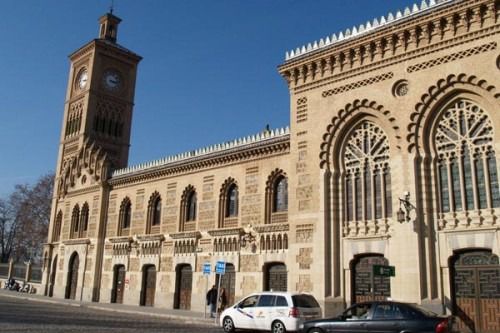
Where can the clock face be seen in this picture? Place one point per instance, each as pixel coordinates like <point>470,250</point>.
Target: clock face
<point>112,79</point>
<point>83,77</point>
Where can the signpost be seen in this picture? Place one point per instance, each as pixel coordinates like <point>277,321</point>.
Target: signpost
<point>220,268</point>
<point>206,271</point>
<point>381,270</point>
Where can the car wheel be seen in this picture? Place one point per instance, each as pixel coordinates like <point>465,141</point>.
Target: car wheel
<point>278,327</point>
<point>228,325</point>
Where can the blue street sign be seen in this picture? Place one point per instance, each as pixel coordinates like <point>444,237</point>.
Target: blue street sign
<point>220,267</point>
<point>206,268</point>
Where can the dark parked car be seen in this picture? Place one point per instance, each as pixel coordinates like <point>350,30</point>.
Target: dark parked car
<point>381,317</point>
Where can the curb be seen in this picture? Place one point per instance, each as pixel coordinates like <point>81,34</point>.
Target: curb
<point>188,320</point>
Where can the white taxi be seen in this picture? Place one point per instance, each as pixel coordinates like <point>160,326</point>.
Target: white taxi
<point>270,311</point>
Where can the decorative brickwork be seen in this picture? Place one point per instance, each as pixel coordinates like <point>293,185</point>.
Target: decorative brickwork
<point>358,84</point>
<point>249,263</point>
<point>305,258</point>
<point>452,57</point>
<point>305,284</point>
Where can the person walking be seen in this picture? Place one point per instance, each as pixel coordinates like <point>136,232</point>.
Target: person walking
<point>222,299</point>
<point>212,300</point>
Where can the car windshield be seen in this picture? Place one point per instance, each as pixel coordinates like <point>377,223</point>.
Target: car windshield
<point>304,301</point>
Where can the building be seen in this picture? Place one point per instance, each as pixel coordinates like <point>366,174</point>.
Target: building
<point>390,160</point>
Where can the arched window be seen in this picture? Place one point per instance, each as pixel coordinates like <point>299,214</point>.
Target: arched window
<point>367,176</point>
<point>124,217</point>
<point>191,207</point>
<point>188,209</point>
<point>232,201</point>
<point>276,204</point>
<point>75,219</point>
<point>280,200</point>
<point>466,161</point>
<point>56,234</point>
<point>154,214</point>
<point>228,204</point>
<point>84,220</point>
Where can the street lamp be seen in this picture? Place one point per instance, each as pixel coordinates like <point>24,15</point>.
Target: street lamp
<point>404,215</point>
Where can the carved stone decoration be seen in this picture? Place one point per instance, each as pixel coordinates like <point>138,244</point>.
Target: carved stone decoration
<point>435,94</point>
<point>400,88</point>
<point>90,158</point>
<point>338,122</point>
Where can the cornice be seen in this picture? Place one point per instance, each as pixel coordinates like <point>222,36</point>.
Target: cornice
<point>396,41</point>
<point>86,190</point>
<point>77,241</point>
<point>276,146</point>
<point>150,238</point>
<point>186,234</point>
<point>121,239</point>
<point>226,232</point>
<point>271,228</point>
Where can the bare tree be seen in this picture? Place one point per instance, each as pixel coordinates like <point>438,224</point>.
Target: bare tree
<point>24,220</point>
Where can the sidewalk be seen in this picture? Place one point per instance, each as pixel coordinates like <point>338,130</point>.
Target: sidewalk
<point>191,317</point>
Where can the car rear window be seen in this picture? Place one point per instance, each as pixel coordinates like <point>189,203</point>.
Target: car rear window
<point>421,310</point>
<point>304,301</point>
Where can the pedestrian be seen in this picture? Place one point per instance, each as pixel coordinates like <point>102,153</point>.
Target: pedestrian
<point>222,299</point>
<point>212,300</point>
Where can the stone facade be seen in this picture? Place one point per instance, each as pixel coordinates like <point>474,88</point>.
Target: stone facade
<point>391,159</point>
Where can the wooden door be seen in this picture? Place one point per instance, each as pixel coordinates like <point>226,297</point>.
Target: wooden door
<point>476,291</point>
<point>149,286</point>
<point>228,283</point>
<point>277,277</point>
<point>362,280</point>
<point>118,285</point>
<point>73,277</point>
<point>185,285</point>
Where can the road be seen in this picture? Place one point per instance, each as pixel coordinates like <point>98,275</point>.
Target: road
<point>27,316</point>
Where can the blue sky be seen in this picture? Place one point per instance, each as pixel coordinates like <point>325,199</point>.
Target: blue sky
<point>208,74</point>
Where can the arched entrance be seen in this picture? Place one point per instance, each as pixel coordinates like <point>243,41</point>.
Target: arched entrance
<point>52,278</point>
<point>148,285</point>
<point>183,286</point>
<point>228,283</point>
<point>475,287</point>
<point>118,284</point>
<point>366,286</point>
<point>72,283</point>
<point>275,277</point>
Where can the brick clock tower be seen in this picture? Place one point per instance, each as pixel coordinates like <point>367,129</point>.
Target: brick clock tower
<point>95,139</point>
<point>100,96</point>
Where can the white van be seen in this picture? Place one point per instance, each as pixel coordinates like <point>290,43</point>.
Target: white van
<point>270,311</point>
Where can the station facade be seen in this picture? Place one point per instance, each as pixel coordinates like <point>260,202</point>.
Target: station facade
<point>389,160</point>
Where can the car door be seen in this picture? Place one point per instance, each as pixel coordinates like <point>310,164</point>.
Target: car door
<point>244,314</point>
<point>353,320</point>
<point>386,318</point>
<point>264,312</point>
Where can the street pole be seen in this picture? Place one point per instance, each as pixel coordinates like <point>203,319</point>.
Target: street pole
<point>217,301</point>
<point>206,292</point>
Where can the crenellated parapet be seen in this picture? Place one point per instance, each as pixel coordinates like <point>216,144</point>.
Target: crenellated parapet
<point>425,28</point>
<point>267,143</point>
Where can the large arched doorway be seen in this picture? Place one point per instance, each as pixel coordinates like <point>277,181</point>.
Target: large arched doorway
<point>148,285</point>
<point>72,283</point>
<point>275,277</point>
<point>183,286</point>
<point>118,284</point>
<point>52,278</point>
<point>228,283</point>
<point>475,286</point>
<point>366,286</point>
